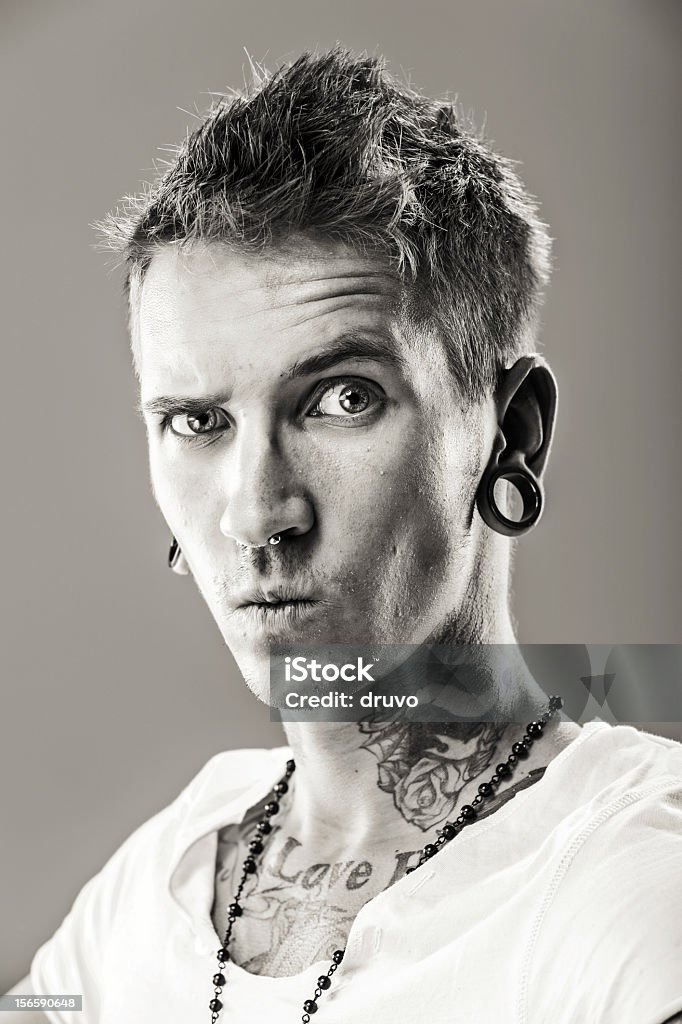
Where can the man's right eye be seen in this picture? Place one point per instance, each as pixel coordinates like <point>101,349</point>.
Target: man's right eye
<point>196,424</point>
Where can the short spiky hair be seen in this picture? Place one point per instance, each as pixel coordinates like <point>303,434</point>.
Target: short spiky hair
<point>333,145</point>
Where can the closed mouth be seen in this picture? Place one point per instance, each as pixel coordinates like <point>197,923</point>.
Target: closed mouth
<point>277,614</point>
<point>270,606</point>
<point>273,597</point>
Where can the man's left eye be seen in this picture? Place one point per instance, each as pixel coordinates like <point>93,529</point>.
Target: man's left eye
<point>192,424</point>
<point>344,399</point>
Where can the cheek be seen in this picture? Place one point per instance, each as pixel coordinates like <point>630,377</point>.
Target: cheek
<point>397,508</point>
<point>164,493</point>
<point>175,490</point>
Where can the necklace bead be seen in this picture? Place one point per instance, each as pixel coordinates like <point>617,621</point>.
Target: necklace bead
<point>467,815</point>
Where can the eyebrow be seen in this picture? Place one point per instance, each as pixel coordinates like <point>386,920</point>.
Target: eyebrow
<point>375,347</point>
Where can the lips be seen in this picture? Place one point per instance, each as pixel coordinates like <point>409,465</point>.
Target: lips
<point>273,597</point>
<point>275,609</point>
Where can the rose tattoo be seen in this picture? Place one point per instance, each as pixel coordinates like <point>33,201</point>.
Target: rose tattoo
<point>426,767</point>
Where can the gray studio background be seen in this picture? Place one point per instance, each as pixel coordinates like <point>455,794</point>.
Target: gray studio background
<point>115,684</point>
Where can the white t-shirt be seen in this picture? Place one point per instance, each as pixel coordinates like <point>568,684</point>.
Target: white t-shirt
<point>562,907</point>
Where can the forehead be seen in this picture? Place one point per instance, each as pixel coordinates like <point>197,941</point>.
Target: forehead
<point>303,268</point>
<point>210,297</point>
<point>210,312</point>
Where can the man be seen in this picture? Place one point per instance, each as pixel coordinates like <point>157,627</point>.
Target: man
<point>334,293</point>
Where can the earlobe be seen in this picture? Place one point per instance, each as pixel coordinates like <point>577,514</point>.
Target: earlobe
<point>176,560</point>
<point>527,484</point>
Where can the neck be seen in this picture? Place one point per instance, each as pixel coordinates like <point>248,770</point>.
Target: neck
<point>369,785</point>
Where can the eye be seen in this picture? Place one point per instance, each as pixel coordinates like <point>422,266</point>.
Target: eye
<point>345,399</point>
<point>196,424</point>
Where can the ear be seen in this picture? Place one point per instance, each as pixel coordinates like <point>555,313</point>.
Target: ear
<point>176,560</point>
<point>526,404</point>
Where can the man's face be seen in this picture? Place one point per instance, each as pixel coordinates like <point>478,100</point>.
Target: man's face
<point>297,402</point>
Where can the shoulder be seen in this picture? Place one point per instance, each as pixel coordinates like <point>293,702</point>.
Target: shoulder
<point>609,769</point>
<point>623,824</point>
<point>626,832</point>
<point>659,753</point>
<point>211,795</point>
<point>612,912</point>
<point>136,875</point>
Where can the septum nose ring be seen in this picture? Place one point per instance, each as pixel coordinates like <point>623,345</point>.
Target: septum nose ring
<point>275,539</point>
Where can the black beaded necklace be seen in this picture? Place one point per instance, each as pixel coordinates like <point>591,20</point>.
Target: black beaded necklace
<point>467,814</point>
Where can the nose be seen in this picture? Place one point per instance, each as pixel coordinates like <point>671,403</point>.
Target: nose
<point>263,495</point>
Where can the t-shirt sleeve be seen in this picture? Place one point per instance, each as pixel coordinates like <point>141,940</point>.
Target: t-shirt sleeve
<point>608,942</point>
<point>73,960</point>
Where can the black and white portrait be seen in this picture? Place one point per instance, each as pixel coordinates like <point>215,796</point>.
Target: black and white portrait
<point>341,670</point>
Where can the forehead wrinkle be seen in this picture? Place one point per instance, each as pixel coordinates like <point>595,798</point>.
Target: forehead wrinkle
<point>321,296</point>
<point>319,266</point>
<point>349,275</point>
<point>328,300</point>
<point>288,284</point>
<point>305,318</point>
<point>341,284</point>
<point>298,271</point>
<point>321,310</point>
